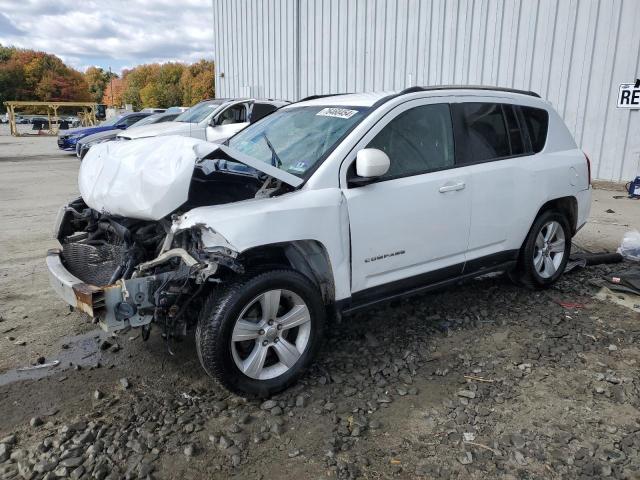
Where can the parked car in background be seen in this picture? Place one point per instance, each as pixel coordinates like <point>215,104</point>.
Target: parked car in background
<point>343,202</point>
<point>67,140</point>
<point>153,110</point>
<point>210,120</point>
<point>177,109</point>
<point>84,144</point>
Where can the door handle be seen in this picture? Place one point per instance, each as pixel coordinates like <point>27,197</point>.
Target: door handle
<point>452,187</point>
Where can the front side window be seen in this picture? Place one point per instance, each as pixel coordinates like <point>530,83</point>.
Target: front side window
<point>233,114</point>
<point>418,140</point>
<point>296,139</point>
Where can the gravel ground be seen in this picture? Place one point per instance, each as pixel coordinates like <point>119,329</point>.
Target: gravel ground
<point>484,380</point>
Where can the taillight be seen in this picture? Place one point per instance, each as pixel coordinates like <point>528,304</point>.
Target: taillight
<point>588,167</point>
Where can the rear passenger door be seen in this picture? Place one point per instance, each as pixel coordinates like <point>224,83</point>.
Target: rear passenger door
<point>492,142</point>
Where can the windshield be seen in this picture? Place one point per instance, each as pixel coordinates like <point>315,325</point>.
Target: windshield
<point>111,121</point>
<point>198,112</point>
<point>295,139</point>
<point>148,120</point>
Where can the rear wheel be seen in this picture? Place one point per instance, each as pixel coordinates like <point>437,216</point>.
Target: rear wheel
<point>545,252</point>
<point>258,335</point>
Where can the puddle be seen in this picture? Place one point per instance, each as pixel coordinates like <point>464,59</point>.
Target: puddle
<point>84,350</point>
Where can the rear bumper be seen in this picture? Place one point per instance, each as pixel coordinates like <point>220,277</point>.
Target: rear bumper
<point>86,298</point>
<point>584,206</point>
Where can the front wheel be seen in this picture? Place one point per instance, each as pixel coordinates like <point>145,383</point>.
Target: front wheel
<point>545,252</point>
<point>257,335</point>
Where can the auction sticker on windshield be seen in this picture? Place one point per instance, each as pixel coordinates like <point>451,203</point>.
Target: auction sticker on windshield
<point>337,112</point>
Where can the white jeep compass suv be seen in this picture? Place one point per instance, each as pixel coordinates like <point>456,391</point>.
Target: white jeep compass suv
<point>324,207</point>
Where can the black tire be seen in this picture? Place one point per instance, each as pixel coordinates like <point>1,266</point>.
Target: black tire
<point>525,273</point>
<point>218,318</point>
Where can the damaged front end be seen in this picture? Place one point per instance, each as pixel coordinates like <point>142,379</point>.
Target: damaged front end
<point>126,272</point>
<point>125,260</point>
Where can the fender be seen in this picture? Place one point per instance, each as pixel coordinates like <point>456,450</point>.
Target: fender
<point>319,215</point>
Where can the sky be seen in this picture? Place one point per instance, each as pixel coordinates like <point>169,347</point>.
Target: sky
<point>110,33</point>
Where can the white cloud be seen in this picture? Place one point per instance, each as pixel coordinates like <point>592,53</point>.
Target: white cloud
<point>114,32</point>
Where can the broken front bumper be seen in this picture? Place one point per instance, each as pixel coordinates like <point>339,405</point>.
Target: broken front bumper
<point>123,304</point>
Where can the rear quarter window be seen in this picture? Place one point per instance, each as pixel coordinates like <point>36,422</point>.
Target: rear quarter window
<point>537,122</point>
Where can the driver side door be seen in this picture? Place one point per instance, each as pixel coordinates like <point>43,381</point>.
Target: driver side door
<point>228,122</point>
<point>410,227</point>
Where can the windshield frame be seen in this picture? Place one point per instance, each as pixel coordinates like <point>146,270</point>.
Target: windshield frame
<point>366,111</point>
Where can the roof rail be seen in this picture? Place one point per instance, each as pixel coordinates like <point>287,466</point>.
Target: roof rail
<point>314,97</point>
<point>468,87</point>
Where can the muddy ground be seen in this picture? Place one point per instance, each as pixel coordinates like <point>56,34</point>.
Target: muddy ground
<point>484,380</point>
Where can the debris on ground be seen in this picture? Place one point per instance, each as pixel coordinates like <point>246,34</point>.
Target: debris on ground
<point>630,246</point>
<point>513,387</point>
<point>40,365</point>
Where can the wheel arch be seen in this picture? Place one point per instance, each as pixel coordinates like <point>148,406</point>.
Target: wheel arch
<point>309,257</point>
<point>565,205</point>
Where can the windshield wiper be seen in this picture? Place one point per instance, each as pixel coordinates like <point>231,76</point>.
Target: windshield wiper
<point>275,159</point>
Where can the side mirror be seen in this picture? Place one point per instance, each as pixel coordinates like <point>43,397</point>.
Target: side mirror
<point>213,122</point>
<point>372,163</point>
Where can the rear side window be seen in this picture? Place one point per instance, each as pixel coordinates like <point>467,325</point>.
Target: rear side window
<point>417,141</point>
<point>516,138</point>
<point>485,133</point>
<point>489,131</point>
<point>537,122</point>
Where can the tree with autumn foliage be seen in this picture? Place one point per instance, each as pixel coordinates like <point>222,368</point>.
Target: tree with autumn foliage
<point>98,79</point>
<point>114,93</point>
<point>38,76</point>
<point>197,82</point>
<point>163,85</point>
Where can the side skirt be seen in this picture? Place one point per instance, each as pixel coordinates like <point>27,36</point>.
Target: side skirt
<point>427,282</point>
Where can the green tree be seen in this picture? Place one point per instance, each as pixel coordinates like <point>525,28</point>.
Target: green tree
<point>98,79</point>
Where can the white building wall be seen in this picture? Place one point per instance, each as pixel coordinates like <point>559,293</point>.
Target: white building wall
<point>574,53</point>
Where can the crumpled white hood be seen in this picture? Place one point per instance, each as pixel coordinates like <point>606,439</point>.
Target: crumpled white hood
<point>145,179</point>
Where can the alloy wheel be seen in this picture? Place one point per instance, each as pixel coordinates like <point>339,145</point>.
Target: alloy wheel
<point>271,334</point>
<point>549,249</point>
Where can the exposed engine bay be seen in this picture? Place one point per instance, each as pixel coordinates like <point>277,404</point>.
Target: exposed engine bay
<point>137,270</point>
